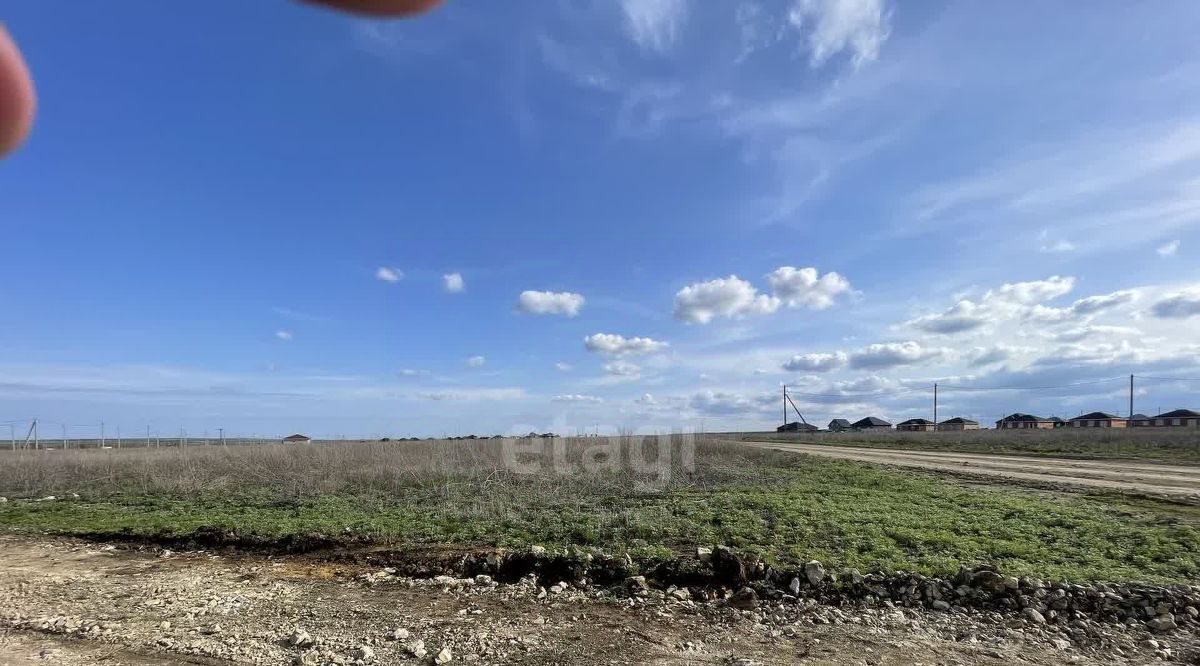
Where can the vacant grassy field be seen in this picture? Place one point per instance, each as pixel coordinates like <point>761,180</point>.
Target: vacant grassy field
<point>787,507</point>
<point>1168,445</point>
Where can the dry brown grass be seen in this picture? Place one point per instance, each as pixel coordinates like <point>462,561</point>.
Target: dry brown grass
<point>341,467</point>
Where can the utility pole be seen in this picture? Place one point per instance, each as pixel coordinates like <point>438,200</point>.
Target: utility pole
<point>785,404</point>
<point>935,406</point>
<point>1131,396</point>
<point>102,443</point>
<point>222,433</point>
<point>36,444</point>
<point>182,438</point>
<point>12,435</point>
<point>64,426</point>
<point>147,436</point>
<point>118,437</point>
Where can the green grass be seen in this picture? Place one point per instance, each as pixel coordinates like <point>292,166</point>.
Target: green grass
<point>788,508</point>
<point>1177,446</point>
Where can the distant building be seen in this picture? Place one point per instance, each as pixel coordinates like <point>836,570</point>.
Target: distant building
<point>796,426</point>
<point>958,423</point>
<point>917,425</point>
<point>1059,423</point>
<point>297,439</point>
<point>1140,421</point>
<point>871,423</point>
<point>1020,421</point>
<point>840,425</point>
<point>1179,418</point>
<point>1099,420</point>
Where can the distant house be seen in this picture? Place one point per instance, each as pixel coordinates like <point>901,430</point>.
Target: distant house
<point>1099,420</point>
<point>1140,421</point>
<point>1059,423</point>
<point>796,426</point>
<point>840,425</point>
<point>1179,418</point>
<point>958,423</point>
<point>871,423</point>
<point>297,439</point>
<point>916,425</point>
<point>1020,421</point>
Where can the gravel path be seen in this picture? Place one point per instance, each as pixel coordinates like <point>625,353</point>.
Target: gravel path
<point>70,602</point>
<point>1149,478</point>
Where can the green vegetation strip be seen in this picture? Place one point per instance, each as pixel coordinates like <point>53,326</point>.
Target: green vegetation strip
<point>787,508</point>
<point>1180,447</point>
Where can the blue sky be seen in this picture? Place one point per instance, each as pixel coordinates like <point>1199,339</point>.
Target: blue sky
<point>243,215</point>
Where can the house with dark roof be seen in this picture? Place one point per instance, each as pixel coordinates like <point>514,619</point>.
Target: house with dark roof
<point>1021,421</point>
<point>1140,421</point>
<point>297,439</point>
<point>796,426</point>
<point>1179,418</point>
<point>916,425</point>
<point>1059,423</point>
<point>958,423</point>
<point>871,423</point>
<point>1099,420</point>
<point>840,425</point>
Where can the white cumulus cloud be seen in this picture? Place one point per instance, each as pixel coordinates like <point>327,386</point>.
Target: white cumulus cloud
<point>806,287</point>
<point>389,274</point>
<point>622,369</point>
<point>453,283</point>
<point>619,345</point>
<point>1179,305</point>
<point>576,397</point>
<point>727,297</point>
<point>476,361</point>
<point>1169,249</point>
<point>892,354</point>
<point>815,362</point>
<point>550,302</point>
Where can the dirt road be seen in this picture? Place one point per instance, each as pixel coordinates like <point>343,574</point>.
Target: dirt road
<point>1149,478</point>
<point>70,602</point>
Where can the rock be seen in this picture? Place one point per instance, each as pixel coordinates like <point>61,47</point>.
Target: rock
<point>1150,643</point>
<point>703,553</point>
<point>47,498</point>
<point>636,584</point>
<point>745,599</point>
<point>483,579</point>
<point>1164,622</point>
<point>417,649</point>
<point>3,500</point>
<point>1061,643</point>
<point>814,572</point>
<point>794,586</point>
<point>300,639</point>
<point>444,657</point>
<point>363,653</point>
<point>164,625</point>
<point>989,581</point>
<point>310,658</point>
<point>941,605</point>
<point>1033,616</point>
<point>727,566</point>
<point>537,551</point>
<point>680,593</point>
<point>400,634</point>
<point>1191,612</point>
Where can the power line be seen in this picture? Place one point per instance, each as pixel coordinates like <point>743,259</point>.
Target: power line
<point>1032,388</point>
<point>1171,379</point>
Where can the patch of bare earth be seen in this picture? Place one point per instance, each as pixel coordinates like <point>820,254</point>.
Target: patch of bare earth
<point>70,602</point>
